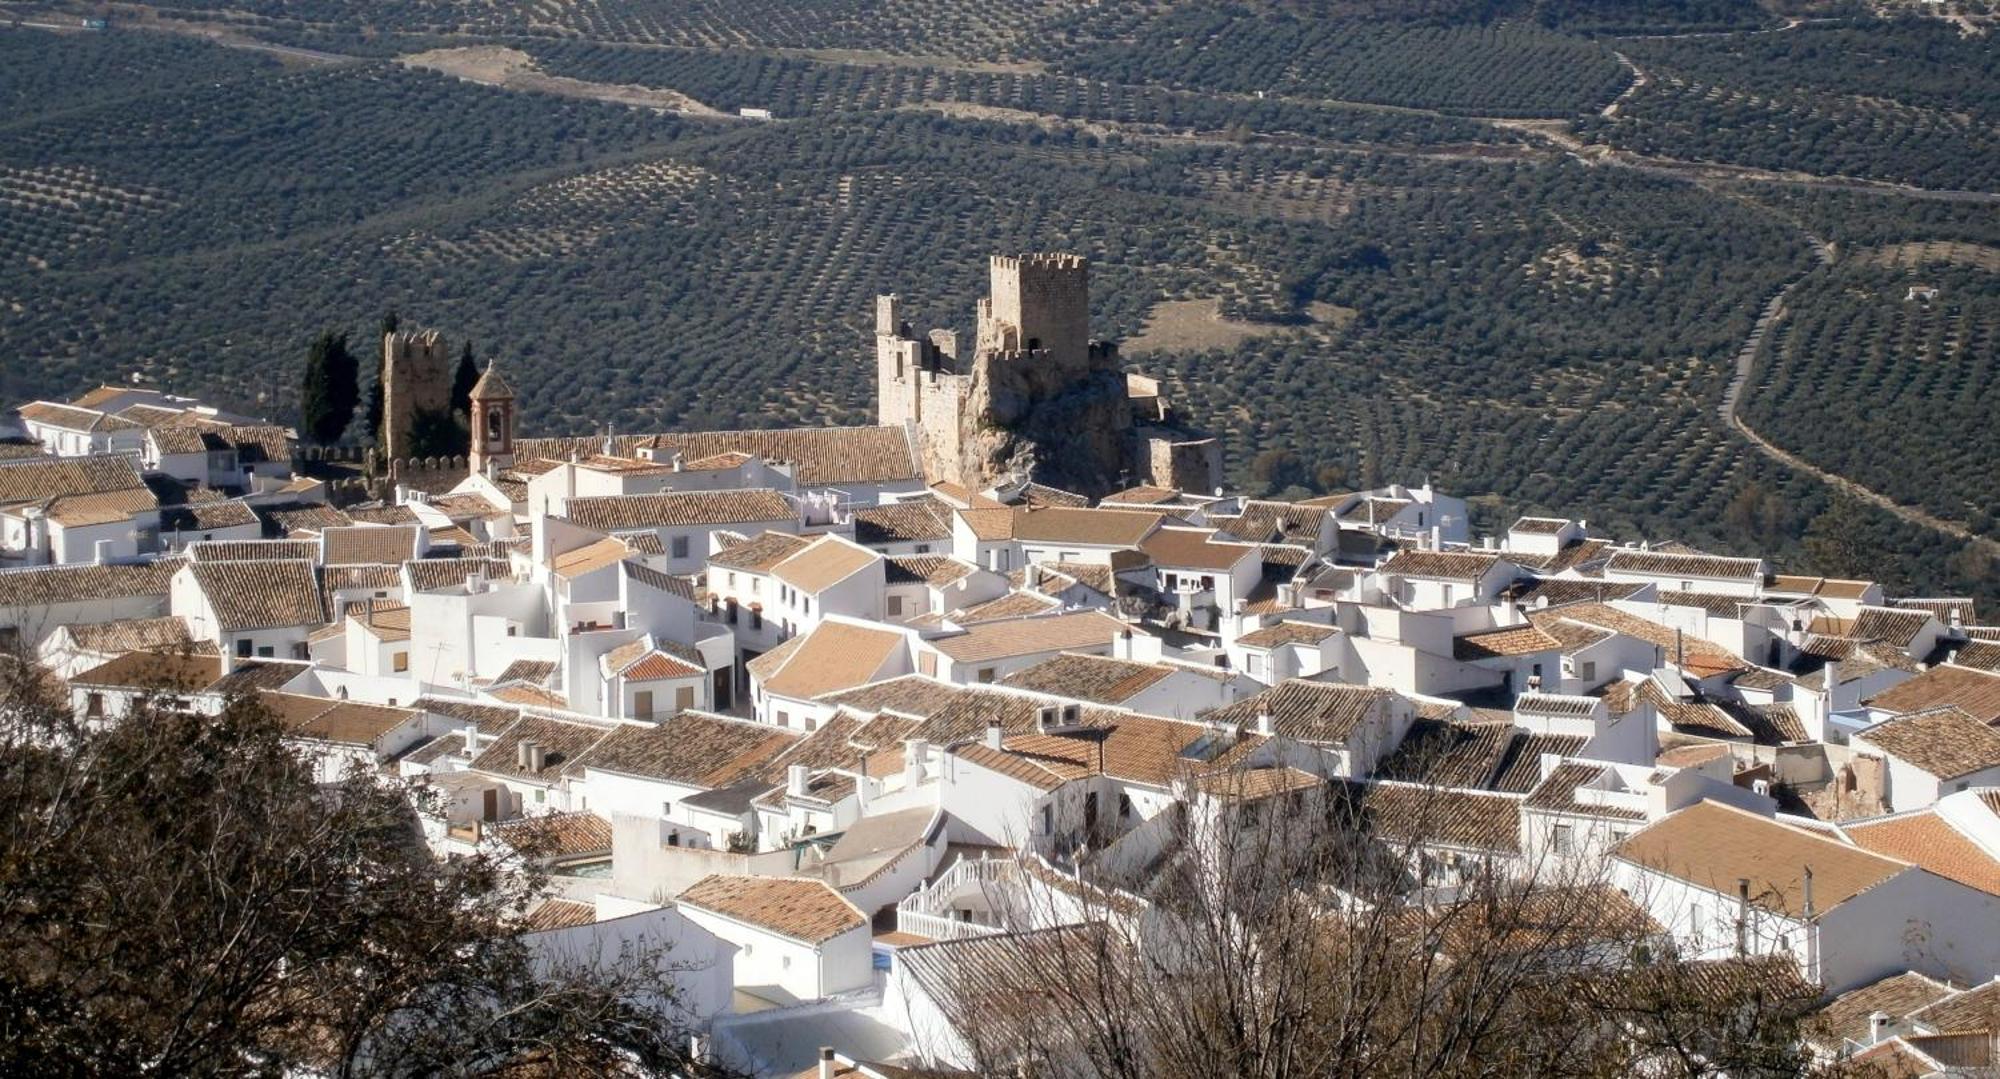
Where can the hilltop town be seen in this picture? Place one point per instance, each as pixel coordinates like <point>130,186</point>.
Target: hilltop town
<point>874,723</point>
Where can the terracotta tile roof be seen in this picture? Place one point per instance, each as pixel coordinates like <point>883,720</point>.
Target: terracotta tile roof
<point>260,595</point>
<point>538,671</point>
<point>1557,793</point>
<point>834,656</point>
<point>206,516</point>
<point>1256,784</point>
<point>323,719</point>
<point>1713,846</point>
<point>153,670</point>
<point>1013,605</point>
<point>1374,511</point>
<point>1085,528</point>
<point>805,910</point>
<point>1928,840</point>
<point>1717,604</point>
<point>130,635</point>
<point>431,574</point>
<point>1875,624</point>
<point>562,741</point>
<point>1507,641</point>
<point>1098,578</point>
<point>1539,526</point>
<point>377,545</point>
<point>926,568</point>
<point>285,518</point>
<point>177,438</point>
<point>382,515</point>
<point>1323,712</point>
<point>1265,521</point>
<point>1979,656</point>
<point>100,508</point>
<point>759,553</point>
<point>1560,591</point>
<point>1654,633</point>
<point>1942,608</point>
<point>1793,585</point>
<point>42,586</point>
<point>1028,636</point>
<point>1194,548</point>
<point>253,550</point>
<point>1441,565</point>
<point>1449,753</point>
<point>1089,678</point>
<point>1285,633</point>
<point>34,479</point>
<point>916,521</point>
<point>1976,1008</point>
<point>1043,494</point>
<point>1943,741</point>
<point>1702,566</point>
<point>1974,692</point>
<point>681,509</point>
<point>259,443</point>
<point>384,621</point>
<point>66,417</point>
<point>590,557</point>
<point>1846,1017</point>
<point>1435,816</point>
<point>557,835</point>
<point>828,561</point>
<point>488,718</point>
<point>823,456</point>
<point>1520,770</point>
<point>552,914</point>
<point>1555,704</point>
<point>533,696</point>
<point>991,525</point>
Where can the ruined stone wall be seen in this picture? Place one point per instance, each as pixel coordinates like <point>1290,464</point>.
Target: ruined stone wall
<point>416,377</point>
<point>1175,460</point>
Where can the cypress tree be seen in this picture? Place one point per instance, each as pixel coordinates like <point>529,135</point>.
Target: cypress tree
<point>462,381</point>
<point>330,391</point>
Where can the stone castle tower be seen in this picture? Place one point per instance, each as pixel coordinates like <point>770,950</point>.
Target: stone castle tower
<point>1036,397</point>
<point>416,377</point>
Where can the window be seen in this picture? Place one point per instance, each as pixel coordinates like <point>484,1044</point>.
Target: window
<point>666,810</point>
<point>642,704</point>
<point>513,631</point>
<point>680,547</point>
<point>243,648</point>
<point>923,548</point>
<point>94,705</point>
<point>786,962</point>
<point>1207,583</point>
<point>784,719</point>
<point>400,662</point>
<point>300,651</point>
<point>1253,664</point>
<point>730,608</point>
<point>806,604</point>
<point>895,606</point>
<point>1124,807</point>
<point>1048,821</point>
<point>1446,592</point>
<point>1587,670</point>
<point>267,652</point>
<point>1173,582</point>
<point>541,795</point>
<point>812,724</point>
<point>732,579</point>
<point>756,586</point>
<point>756,618</point>
<point>1559,840</point>
<point>986,674</point>
<point>684,698</point>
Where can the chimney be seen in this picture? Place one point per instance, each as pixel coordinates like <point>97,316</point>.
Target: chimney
<point>1264,722</point>
<point>100,552</point>
<point>471,741</point>
<point>524,754</point>
<point>1807,897</point>
<point>1878,1027</point>
<point>537,756</point>
<point>1045,718</point>
<point>993,734</point>
<point>1437,538</point>
<point>796,778</point>
<point>915,755</point>
<point>826,1062</point>
<point>1742,916</point>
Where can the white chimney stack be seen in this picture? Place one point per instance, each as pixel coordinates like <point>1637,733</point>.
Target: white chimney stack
<point>826,1068</point>
<point>993,735</point>
<point>796,778</point>
<point>1878,1027</point>
<point>1264,722</point>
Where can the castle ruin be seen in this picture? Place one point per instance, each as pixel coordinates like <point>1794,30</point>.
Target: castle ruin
<point>417,369</point>
<point>1037,398</point>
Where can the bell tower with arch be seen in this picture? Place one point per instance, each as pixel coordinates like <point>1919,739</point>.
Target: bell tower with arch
<point>492,421</point>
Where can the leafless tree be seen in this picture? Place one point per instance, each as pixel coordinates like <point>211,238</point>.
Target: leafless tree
<point>178,896</point>
<point>1291,930</point>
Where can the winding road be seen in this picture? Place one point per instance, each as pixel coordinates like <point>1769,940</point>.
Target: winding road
<point>1746,361</point>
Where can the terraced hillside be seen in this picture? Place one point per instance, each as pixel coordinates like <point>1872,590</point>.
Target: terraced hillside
<point>1441,239</point>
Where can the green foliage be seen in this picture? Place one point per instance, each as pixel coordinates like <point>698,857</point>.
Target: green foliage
<point>1896,393</point>
<point>438,434</point>
<point>329,390</point>
<point>463,379</point>
<point>1495,70</point>
<point>1913,102</point>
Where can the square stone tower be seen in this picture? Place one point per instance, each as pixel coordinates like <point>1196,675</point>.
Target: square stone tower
<point>416,377</point>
